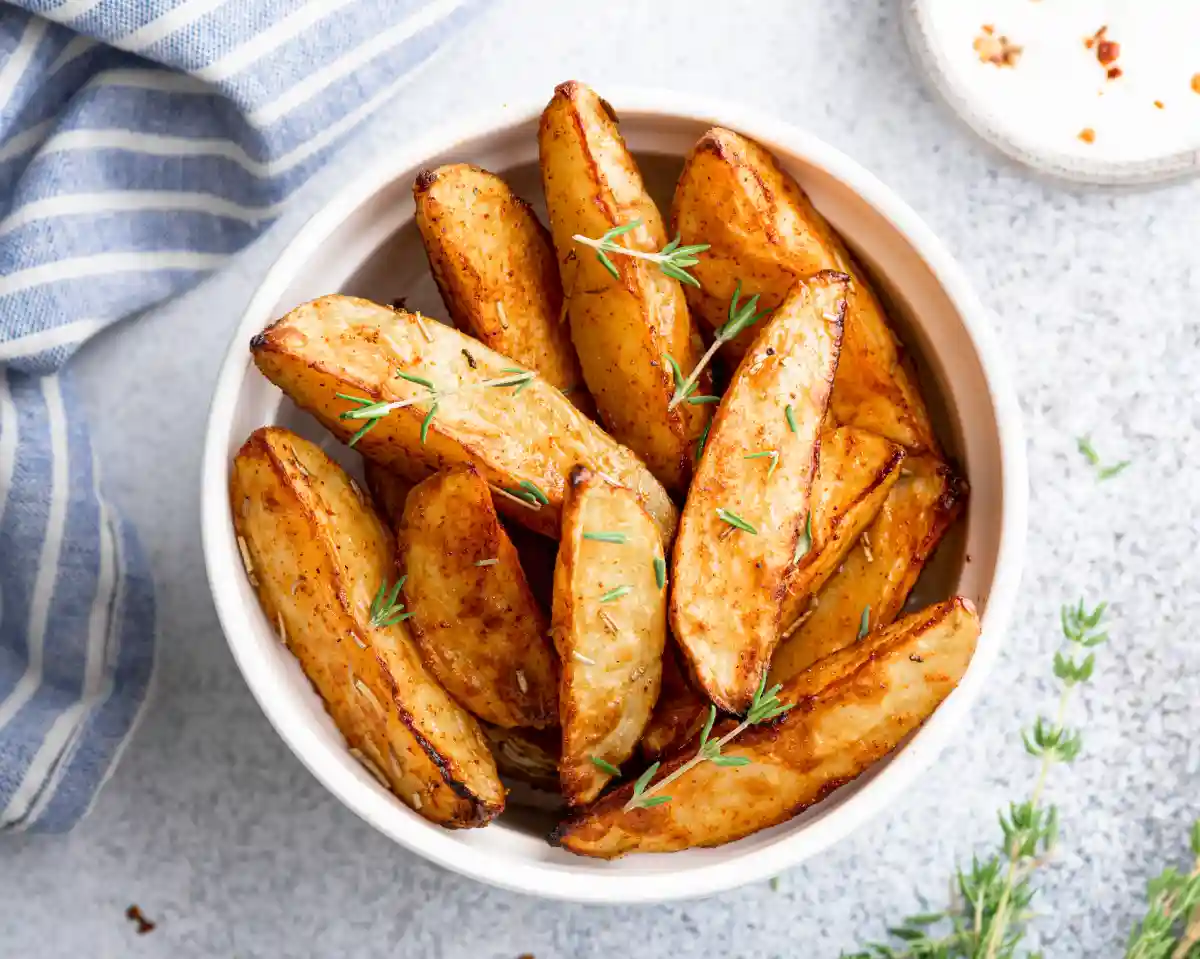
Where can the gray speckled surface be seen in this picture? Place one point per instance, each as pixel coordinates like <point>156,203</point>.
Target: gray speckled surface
<point>218,833</point>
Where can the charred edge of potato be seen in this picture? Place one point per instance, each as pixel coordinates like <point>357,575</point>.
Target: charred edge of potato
<point>807,691</point>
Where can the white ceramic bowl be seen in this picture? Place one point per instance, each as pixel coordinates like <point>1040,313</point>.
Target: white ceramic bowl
<point>364,241</point>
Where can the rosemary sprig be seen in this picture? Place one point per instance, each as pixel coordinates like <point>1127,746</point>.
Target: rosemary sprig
<point>616,593</point>
<point>1084,443</point>
<point>804,541</point>
<point>673,259</point>
<point>385,611</point>
<point>734,520</point>
<point>530,492</point>
<point>700,444</point>
<point>990,901</point>
<point>763,709</point>
<point>864,622</point>
<point>660,572</point>
<point>741,316</point>
<point>373,411</point>
<point>605,766</point>
<point>790,415</point>
<point>772,454</point>
<point>603,536</point>
<point>700,400</point>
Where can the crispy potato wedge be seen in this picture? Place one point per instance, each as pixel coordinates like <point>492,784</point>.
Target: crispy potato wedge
<point>526,755</point>
<point>610,626</point>
<point>879,572</point>
<point>765,232</point>
<point>480,630</point>
<point>316,553</point>
<point>852,709</point>
<point>521,439</point>
<point>622,327</point>
<point>495,267</point>
<point>388,491</point>
<point>745,509</point>
<point>679,713</point>
<point>856,471</point>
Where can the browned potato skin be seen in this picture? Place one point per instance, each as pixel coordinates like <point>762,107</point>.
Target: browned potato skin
<point>765,232</point>
<point>480,630</point>
<point>852,709</point>
<point>495,268</point>
<point>727,583</point>
<point>342,344</point>
<point>621,327</point>
<point>318,553</point>
<point>880,570</point>
<point>526,755</point>
<point>388,491</point>
<point>610,673</point>
<point>856,471</point>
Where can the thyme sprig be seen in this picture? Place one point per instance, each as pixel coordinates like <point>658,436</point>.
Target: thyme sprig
<point>1171,927</point>
<point>385,610</point>
<point>764,708</point>
<point>990,901</point>
<point>673,259</point>
<point>373,411</point>
<point>740,317</point>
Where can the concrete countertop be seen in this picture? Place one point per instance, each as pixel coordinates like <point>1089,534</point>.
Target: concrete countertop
<point>221,837</point>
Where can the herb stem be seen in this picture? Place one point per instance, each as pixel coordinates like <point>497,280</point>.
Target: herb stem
<point>686,767</point>
<point>682,392</point>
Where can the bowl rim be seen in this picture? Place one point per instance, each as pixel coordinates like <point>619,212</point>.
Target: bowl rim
<point>552,881</point>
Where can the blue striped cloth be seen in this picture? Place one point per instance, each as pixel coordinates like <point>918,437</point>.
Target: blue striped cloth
<point>141,145</point>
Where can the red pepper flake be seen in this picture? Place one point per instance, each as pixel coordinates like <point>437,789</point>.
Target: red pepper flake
<point>997,50</point>
<point>1114,72</point>
<point>1087,135</point>
<point>144,925</point>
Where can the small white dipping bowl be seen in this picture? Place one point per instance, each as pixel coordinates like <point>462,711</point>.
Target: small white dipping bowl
<point>364,241</point>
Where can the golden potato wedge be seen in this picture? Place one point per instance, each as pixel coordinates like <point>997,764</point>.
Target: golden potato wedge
<point>679,712</point>
<point>852,709</point>
<point>523,440</point>
<point>480,630</point>
<point>879,572</point>
<point>610,625</point>
<point>526,755</point>
<point>495,267</point>
<point>318,556</point>
<point>856,471</point>
<point>388,491</point>
<point>765,233</point>
<point>750,496</point>
<point>538,556</point>
<point>622,327</point>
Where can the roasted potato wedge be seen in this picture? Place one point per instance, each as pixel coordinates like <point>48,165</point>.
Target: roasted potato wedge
<point>610,626</point>
<point>879,572</point>
<point>317,555</point>
<point>750,496</point>
<point>856,471</point>
<point>679,713</point>
<point>526,755</point>
<point>480,630</point>
<point>495,267</point>
<point>622,327</point>
<point>852,709</point>
<point>523,440</point>
<point>388,491</point>
<point>765,233</point>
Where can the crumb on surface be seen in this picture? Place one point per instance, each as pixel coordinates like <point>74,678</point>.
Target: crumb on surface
<point>1114,72</point>
<point>1196,82</point>
<point>997,50</point>
<point>1107,52</point>
<point>1159,104</point>
<point>144,925</point>
<point>1087,135</point>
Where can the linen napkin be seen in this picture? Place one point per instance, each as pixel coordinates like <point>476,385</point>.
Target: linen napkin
<point>142,143</point>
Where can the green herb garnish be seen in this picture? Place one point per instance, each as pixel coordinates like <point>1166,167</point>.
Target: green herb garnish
<point>804,541</point>
<point>606,537</point>
<point>791,417</point>
<point>700,400</point>
<point>741,316</point>
<point>864,623</point>
<point>425,422</point>
<point>672,259</point>
<point>734,520</point>
<point>660,572</point>
<point>605,766</point>
<point>700,444</point>
<point>385,611</point>
<point>773,454</point>
<point>616,593</point>
<point>1084,443</point>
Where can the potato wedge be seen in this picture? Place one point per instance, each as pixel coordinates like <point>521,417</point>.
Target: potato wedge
<point>495,267</point>
<point>879,572</point>
<point>746,507</point>
<point>679,713</point>
<point>856,471</point>
<point>852,709</point>
<point>479,629</point>
<point>388,491</point>
<point>526,755</point>
<point>622,327</point>
<point>765,233</point>
<point>317,554</point>
<point>524,441</point>
<point>610,626</point>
